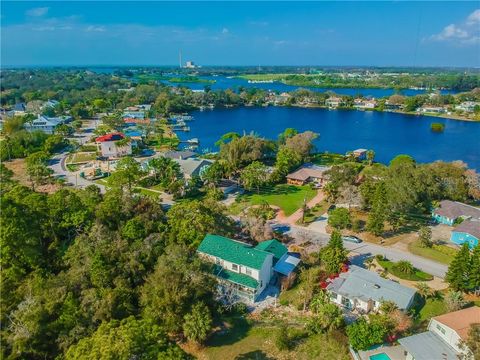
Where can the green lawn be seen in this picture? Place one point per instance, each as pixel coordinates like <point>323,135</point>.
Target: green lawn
<point>328,159</point>
<point>316,211</point>
<point>287,197</point>
<point>148,192</point>
<point>433,307</point>
<point>418,275</point>
<point>244,340</point>
<point>441,253</point>
<point>81,157</point>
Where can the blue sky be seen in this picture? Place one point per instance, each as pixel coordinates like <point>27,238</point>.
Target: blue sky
<point>247,33</point>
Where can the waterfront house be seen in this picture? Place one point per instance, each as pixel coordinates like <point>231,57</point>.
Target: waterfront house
<point>281,98</point>
<point>467,232</point>
<point>364,290</point>
<point>192,167</point>
<point>365,103</point>
<point>392,106</point>
<point>360,154</point>
<point>334,102</point>
<point>432,109</point>
<point>308,173</point>
<point>442,340</point>
<point>467,106</point>
<point>449,211</point>
<point>114,145</point>
<point>242,269</point>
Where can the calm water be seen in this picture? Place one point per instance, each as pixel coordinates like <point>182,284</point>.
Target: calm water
<point>388,134</point>
<point>222,83</point>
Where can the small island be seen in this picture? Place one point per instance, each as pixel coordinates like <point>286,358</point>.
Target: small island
<point>437,127</point>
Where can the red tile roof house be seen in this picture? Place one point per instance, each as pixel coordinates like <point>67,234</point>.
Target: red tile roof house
<point>114,145</point>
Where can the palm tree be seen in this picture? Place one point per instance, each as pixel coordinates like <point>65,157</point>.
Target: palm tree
<point>369,263</point>
<point>405,267</point>
<point>424,290</point>
<point>370,156</point>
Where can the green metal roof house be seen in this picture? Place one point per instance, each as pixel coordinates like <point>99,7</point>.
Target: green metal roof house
<point>240,266</point>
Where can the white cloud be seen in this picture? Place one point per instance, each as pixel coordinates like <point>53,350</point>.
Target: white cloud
<point>37,12</point>
<point>451,32</point>
<point>474,17</point>
<point>93,28</point>
<point>466,33</point>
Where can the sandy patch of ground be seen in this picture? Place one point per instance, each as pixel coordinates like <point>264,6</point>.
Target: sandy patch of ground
<point>20,174</point>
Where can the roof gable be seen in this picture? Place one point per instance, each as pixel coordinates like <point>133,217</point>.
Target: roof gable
<point>471,227</point>
<point>455,209</point>
<point>460,320</point>
<point>110,137</point>
<point>274,247</point>
<point>233,251</point>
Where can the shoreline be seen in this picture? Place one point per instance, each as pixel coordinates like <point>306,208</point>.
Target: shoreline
<point>414,114</point>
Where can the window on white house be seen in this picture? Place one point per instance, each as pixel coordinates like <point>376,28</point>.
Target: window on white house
<point>235,267</point>
<point>248,271</point>
<point>442,330</point>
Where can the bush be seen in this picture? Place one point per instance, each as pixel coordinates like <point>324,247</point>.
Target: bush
<point>339,218</point>
<point>357,225</point>
<point>282,339</point>
<point>380,257</point>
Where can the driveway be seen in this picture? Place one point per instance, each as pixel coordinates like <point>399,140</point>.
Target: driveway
<point>360,252</point>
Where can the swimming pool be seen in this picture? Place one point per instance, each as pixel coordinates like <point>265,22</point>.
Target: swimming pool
<point>381,356</point>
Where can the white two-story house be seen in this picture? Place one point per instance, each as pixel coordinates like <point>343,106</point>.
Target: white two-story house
<point>240,267</point>
<point>444,336</point>
<point>114,145</point>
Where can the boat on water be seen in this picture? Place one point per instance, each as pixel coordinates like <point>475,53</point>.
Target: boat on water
<point>193,141</point>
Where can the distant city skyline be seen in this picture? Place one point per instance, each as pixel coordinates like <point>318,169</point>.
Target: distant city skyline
<point>410,34</point>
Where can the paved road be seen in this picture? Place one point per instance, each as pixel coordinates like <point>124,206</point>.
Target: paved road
<point>57,162</point>
<point>365,250</point>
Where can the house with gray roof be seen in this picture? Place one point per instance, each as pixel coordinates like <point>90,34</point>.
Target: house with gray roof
<point>179,155</point>
<point>192,167</point>
<point>444,336</point>
<point>468,231</point>
<point>448,211</point>
<point>364,290</point>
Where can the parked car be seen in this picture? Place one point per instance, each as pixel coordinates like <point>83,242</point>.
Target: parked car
<point>351,238</point>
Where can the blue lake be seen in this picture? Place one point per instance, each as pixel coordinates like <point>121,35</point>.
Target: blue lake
<point>388,134</point>
<point>223,82</point>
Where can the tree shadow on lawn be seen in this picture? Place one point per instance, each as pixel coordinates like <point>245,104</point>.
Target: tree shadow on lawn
<point>233,329</point>
<point>254,355</point>
<point>282,189</point>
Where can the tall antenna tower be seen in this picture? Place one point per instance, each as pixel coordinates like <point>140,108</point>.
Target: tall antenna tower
<point>180,58</point>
